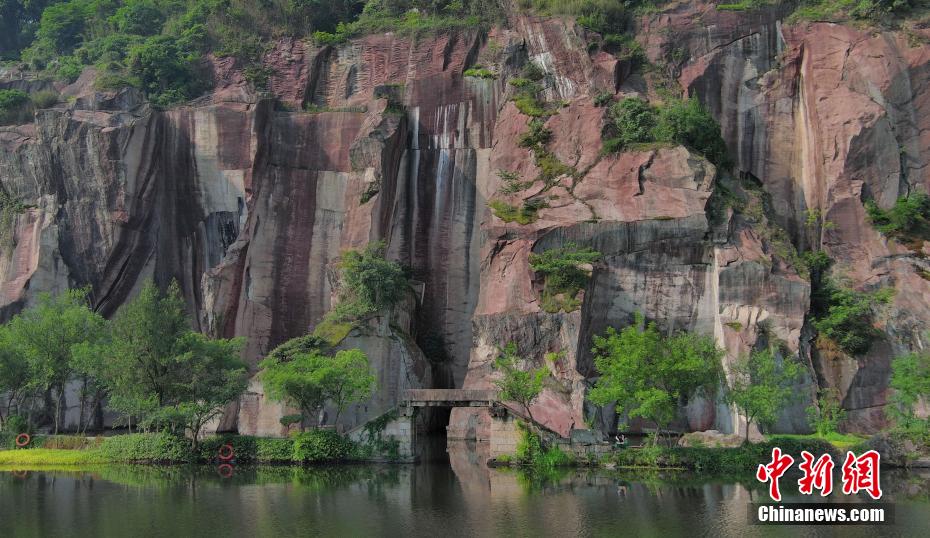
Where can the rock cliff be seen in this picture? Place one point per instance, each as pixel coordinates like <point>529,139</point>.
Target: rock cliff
<point>247,200</point>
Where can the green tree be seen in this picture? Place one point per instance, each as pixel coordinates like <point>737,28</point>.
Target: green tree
<point>214,378</point>
<point>156,368</point>
<point>908,218</point>
<point>910,382</point>
<point>306,380</point>
<point>648,374</point>
<point>15,375</point>
<point>515,383</point>
<point>762,386</point>
<point>45,335</point>
<point>346,379</point>
<point>370,281</point>
<point>296,382</point>
<point>166,75</point>
<point>826,415</point>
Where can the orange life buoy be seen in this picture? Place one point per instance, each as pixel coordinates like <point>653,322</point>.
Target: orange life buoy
<point>225,470</point>
<point>226,452</point>
<point>23,439</point>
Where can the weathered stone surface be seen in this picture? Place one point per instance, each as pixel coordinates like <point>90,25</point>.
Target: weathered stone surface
<point>249,203</point>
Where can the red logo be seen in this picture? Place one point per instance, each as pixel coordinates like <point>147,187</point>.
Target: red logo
<point>817,475</point>
<point>773,471</point>
<point>862,474</point>
<point>859,473</point>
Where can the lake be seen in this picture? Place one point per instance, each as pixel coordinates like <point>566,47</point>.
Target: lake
<point>458,496</point>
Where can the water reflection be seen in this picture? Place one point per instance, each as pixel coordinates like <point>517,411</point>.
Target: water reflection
<point>459,498</point>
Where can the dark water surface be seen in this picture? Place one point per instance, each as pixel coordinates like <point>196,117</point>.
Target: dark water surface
<point>459,497</point>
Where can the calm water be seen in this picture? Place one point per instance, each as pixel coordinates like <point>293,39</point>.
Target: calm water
<point>455,498</point>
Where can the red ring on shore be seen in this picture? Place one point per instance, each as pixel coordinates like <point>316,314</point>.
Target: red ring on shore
<point>226,452</point>
<point>23,439</point>
<point>225,470</point>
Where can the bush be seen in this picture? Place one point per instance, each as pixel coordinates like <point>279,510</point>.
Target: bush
<point>146,448</point>
<point>847,316</point>
<point>525,214</point>
<point>274,450</point>
<point>321,445</point>
<point>14,106</point>
<point>634,120</point>
<point>564,273</point>
<point>686,122</point>
<point>908,219</point>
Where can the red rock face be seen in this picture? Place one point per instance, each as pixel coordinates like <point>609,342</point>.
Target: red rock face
<point>249,203</point>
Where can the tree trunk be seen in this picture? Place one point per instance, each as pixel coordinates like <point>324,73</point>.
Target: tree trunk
<point>748,422</point>
<point>58,408</point>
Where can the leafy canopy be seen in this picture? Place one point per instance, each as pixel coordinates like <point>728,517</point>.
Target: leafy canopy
<point>647,374</point>
<point>762,386</point>
<point>516,384</point>
<point>305,378</point>
<point>680,121</point>
<point>155,367</point>
<point>908,219</point>
<point>910,381</point>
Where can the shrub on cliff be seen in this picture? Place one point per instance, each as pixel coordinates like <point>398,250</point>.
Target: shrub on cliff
<point>565,271</point>
<point>846,315</point>
<point>14,107</point>
<point>680,121</point>
<point>647,374</point>
<point>907,220</point>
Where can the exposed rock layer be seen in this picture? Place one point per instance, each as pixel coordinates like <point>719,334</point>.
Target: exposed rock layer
<point>248,203</point>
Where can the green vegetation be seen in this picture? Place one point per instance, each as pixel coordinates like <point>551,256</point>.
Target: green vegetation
<point>146,364</point>
<point>369,283</point>
<point>307,447</point>
<point>154,368</point>
<point>525,214</point>
<point>908,220</point>
<point>516,384</point>
<point>720,461</point>
<point>530,451</point>
<point>910,382</point>
<point>566,271</point>
<point>827,413</point>
<point>838,10</point>
<point>14,106</point>
<point>308,379</point>
<point>763,385</point>
<point>38,349</point>
<point>647,374</point>
<point>681,121</point>
<point>321,445</point>
<point>159,46</point>
<point>480,72</point>
<point>846,316</point>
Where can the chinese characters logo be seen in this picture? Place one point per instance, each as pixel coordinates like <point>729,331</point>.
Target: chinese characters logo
<point>858,473</point>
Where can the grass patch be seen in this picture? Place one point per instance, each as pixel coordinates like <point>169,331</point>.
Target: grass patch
<point>333,331</point>
<point>480,72</point>
<point>841,441</point>
<point>525,214</point>
<point>40,457</point>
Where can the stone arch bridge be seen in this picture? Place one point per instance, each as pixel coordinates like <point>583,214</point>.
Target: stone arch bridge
<point>400,424</point>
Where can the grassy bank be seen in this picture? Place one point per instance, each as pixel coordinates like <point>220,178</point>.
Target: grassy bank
<point>303,448</point>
